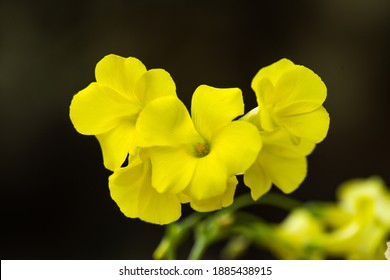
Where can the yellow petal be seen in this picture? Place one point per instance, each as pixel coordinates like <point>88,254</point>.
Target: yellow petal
<point>120,74</point>
<point>236,146</point>
<point>172,168</point>
<point>302,85</point>
<point>280,161</point>
<point>213,108</point>
<point>116,144</point>
<point>272,72</point>
<point>97,109</point>
<point>285,172</point>
<point>282,141</point>
<point>131,189</point>
<point>291,83</point>
<point>209,179</point>
<point>267,118</point>
<point>252,117</point>
<point>165,122</point>
<point>257,180</point>
<point>153,84</point>
<point>218,202</point>
<point>291,96</point>
<point>311,126</point>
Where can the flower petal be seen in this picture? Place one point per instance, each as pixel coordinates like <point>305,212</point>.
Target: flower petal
<point>116,144</point>
<point>281,140</point>
<point>302,85</point>
<point>257,180</point>
<point>272,72</point>
<point>131,189</point>
<point>265,96</point>
<point>165,122</point>
<point>236,146</point>
<point>218,202</point>
<point>172,168</point>
<point>291,83</point>
<point>312,126</point>
<point>97,109</point>
<point>213,108</point>
<point>286,172</point>
<point>120,74</point>
<point>280,161</point>
<point>209,179</point>
<point>153,84</point>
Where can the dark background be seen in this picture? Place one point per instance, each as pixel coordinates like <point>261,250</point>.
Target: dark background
<point>55,202</point>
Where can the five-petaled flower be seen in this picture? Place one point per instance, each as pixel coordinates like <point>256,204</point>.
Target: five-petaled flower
<point>109,107</point>
<point>198,157</point>
<point>291,120</point>
<point>290,96</point>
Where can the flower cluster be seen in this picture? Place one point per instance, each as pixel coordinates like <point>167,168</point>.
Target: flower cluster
<point>356,227</point>
<point>162,157</point>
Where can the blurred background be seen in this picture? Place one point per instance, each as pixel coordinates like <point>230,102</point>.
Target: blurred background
<point>55,202</point>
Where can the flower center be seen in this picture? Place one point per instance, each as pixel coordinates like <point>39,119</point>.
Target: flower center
<point>202,150</point>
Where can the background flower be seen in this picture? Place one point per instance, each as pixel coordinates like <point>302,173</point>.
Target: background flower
<point>367,201</point>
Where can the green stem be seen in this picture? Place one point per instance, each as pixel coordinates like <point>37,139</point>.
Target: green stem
<point>199,248</point>
<point>207,229</point>
<point>279,200</point>
<point>175,235</point>
<point>272,199</point>
<point>203,237</point>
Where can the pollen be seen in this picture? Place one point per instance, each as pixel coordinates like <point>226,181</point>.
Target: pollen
<point>202,150</point>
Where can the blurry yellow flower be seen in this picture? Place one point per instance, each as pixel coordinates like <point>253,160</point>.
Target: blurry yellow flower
<point>299,236</point>
<point>355,228</point>
<point>131,188</point>
<point>291,96</point>
<point>197,157</point>
<point>109,107</point>
<point>373,190</point>
<point>363,235</point>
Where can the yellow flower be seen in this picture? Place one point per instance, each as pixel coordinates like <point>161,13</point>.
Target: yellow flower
<point>197,157</point>
<point>291,120</point>
<point>131,188</point>
<point>357,227</point>
<point>373,190</point>
<point>298,237</point>
<point>367,202</point>
<point>109,107</point>
<point>291,96</point>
